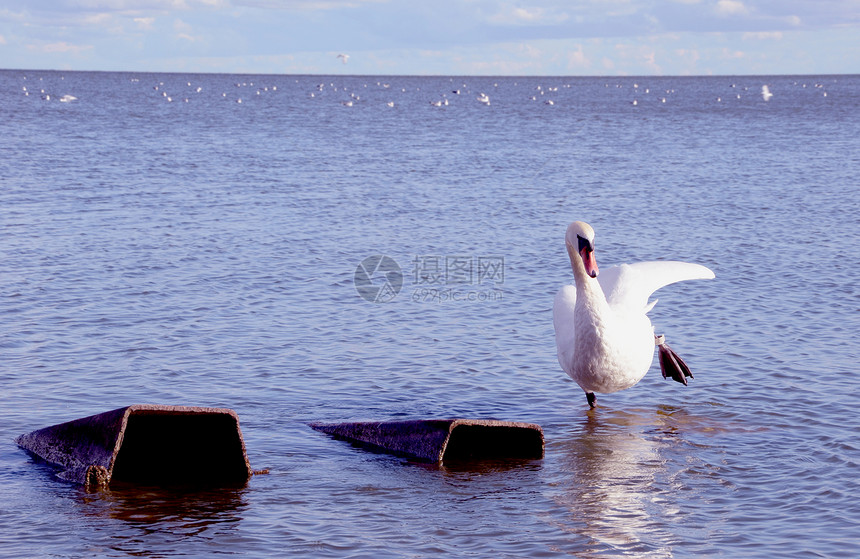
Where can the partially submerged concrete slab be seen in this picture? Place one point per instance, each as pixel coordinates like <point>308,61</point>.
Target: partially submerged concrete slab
<point>144,443</point>
<point>438,440</point>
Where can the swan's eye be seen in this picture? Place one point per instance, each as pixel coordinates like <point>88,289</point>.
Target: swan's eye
<point>584,243</point>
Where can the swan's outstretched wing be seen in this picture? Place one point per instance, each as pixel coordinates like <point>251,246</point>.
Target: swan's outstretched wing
<point>562,318</point>
<point>628,286</point>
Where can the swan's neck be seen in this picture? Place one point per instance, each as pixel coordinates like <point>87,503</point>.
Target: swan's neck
<point>590,296</point>
<point>591,305</point>
<point>586,286</point>
<point>592,324</point>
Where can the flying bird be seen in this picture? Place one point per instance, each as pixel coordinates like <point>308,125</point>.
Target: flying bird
<point>343,57</point>
<point>765,93</point>
<point>604,337</point>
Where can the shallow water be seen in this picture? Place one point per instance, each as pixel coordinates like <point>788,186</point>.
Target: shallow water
<point>205,253</point>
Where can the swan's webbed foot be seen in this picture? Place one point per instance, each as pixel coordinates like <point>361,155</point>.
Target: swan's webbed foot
<point>671,365</point>
<point>592,399</point>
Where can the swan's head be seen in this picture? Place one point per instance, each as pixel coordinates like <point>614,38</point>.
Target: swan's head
<point>580,247</point>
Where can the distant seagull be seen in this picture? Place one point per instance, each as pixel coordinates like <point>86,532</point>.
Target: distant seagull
<point>765,93</point>
<point>343,57</point>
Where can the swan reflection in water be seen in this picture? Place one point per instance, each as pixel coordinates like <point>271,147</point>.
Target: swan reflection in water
<point>622,471</point>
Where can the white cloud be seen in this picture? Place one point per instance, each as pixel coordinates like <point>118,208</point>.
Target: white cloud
<point>763,35</point>
<point>100,20</point>
<point>183,31</point>
<point>688,54</point>
<point>638,55</point>
<point>144,22</point>
<point>732,54</point>
<point>577,59</point>
<point>303,5</point>
<point>530,51</point>
<point>60,47</point>
<point>180,26</point>
<point>138,5</point>
<point>528,16</point>
<point>731,8</point>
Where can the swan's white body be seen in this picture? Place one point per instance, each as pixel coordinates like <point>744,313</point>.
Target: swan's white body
<point>604,337</point>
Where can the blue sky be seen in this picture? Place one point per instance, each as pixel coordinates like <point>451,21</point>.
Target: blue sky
<point>427,37</point>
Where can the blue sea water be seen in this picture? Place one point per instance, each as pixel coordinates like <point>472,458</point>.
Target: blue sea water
<point>162,242</point>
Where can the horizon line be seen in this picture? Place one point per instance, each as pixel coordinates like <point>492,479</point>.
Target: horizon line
<point>606,76</point>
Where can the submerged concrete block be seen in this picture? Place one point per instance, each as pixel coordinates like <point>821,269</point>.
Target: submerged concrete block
<point>438,440</point>
<point>149,444</point>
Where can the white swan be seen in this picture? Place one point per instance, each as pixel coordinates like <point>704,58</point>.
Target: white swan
<point>604,337</point>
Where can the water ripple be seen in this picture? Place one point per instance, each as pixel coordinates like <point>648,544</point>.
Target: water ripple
<point>204,253</point>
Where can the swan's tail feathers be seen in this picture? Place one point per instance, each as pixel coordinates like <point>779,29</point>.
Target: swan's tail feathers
<point>671,365</point>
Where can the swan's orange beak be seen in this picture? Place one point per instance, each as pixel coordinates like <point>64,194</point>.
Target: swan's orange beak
<point>589,261</point>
